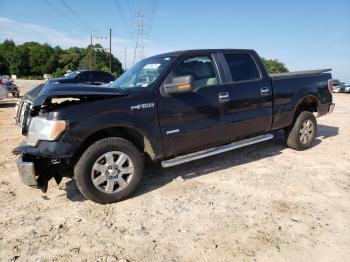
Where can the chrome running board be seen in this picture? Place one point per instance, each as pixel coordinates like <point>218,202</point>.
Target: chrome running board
<point>215,150</point>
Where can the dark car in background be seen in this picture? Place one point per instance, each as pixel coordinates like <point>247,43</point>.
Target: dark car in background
<point>84,77</point>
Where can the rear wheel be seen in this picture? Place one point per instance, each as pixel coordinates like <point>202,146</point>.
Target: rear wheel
<point>301,135</point>
<point>109,170</point>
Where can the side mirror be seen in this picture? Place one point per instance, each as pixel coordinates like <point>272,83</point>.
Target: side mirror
<point>179,84</point>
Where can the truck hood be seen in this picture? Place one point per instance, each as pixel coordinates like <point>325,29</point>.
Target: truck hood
<point>42,92</point>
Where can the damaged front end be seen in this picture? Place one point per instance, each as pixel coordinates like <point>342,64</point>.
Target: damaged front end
<point>37,171</point>
<point>49,147</point>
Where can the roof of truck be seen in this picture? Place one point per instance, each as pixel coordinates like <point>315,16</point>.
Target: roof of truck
<point>189,51</point>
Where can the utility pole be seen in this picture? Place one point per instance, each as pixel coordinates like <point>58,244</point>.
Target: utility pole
<point>110,50</point>
<point>90,53</point>
<point>91,49</point>
<point>139,47</point>
<point>124,58</point>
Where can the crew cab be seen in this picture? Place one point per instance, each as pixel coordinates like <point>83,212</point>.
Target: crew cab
<point>170,108</point>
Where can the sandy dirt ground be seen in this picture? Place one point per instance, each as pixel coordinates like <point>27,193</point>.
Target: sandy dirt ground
<point>261,203</point>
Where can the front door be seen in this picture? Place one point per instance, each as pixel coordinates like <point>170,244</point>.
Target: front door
<point>192,121</point>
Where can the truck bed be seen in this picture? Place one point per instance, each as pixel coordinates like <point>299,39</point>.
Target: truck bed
<point>300,73</point>
<point>290,88</point>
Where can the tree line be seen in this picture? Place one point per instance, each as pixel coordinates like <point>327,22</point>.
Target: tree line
<point>32,60</point>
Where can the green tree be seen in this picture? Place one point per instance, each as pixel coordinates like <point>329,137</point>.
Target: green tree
<point>274,66</point>
<point>6,50</point>
<point>71,58</point>
<point>4,66</point>
<point>100,61</point>
<point>337,82</point>
<point>19,61</point>
<point>35,59</point>
<point>59,72</point>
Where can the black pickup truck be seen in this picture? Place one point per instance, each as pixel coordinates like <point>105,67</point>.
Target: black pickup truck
<point>172,108</point>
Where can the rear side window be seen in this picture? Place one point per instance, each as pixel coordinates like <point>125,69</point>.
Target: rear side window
<point>242,67</point>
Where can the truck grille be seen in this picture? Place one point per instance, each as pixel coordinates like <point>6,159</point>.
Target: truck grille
<point>22,116</point>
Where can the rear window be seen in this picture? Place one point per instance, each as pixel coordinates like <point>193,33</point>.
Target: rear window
<point>242,67</point>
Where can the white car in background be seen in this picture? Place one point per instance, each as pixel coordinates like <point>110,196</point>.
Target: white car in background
<point>343,88</point>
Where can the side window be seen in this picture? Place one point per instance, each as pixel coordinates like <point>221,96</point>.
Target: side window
<point>84,77</point>
<point>98,77</point>
<point>80,77</point>
<point>242,67</point>
<point>200,67</point>
<point>107,77</point>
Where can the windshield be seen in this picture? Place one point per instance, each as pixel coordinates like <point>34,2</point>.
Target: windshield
<point>144,73</point>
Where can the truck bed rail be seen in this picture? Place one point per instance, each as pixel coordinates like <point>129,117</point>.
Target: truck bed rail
<point>300,73</point>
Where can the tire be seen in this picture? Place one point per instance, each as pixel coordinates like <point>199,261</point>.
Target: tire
<point>99,163</point>
<point>302,133</point>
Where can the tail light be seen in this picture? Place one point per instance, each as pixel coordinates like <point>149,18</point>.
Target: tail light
<point>330,85</point>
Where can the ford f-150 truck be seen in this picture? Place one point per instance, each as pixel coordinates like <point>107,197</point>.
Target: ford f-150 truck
<point>171,108</point>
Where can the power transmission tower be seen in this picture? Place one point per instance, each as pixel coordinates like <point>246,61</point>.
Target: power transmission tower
<point>139,47</point>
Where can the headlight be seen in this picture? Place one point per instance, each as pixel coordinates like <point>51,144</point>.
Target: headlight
<point>43,129</point>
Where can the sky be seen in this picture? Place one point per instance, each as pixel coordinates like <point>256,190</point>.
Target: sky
<point>304,35</point>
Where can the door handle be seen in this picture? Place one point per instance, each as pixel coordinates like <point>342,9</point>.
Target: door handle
<point>264,91</point>
<point>224,97</point>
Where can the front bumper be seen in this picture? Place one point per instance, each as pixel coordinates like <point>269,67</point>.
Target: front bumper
<point>27,172</point>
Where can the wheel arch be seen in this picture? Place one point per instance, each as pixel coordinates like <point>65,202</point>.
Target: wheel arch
<point>138,138</point>
<point>308,103</point>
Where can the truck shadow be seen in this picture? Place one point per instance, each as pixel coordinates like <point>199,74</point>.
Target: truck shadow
<point>156,177</point>
<point>324,131</point>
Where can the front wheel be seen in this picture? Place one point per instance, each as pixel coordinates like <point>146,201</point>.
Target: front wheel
<point>301,135</point>
<point>109,171</point>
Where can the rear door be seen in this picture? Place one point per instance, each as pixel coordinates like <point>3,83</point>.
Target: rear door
<point>249,110</point>
<point>192,121</point>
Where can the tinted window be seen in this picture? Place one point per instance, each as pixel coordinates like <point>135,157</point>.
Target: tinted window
<point>106,77</point>
<point>200,67</point>
<point>100,77</point>
<point>242,67</point>
<point>84,77</point>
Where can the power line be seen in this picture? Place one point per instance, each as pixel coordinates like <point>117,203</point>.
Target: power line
<point>122,16</point>
<point>63,14</point>
<point>152,15</point>
<point>88,7</point>
<point>78,16</point>
<point>129,7</point>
